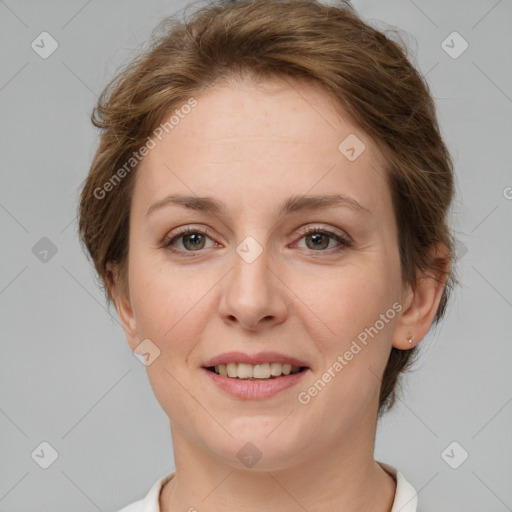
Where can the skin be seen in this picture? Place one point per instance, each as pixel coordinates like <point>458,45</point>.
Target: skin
<point>251,147</point>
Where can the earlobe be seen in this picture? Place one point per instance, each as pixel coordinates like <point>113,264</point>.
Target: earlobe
<point>421,303</point>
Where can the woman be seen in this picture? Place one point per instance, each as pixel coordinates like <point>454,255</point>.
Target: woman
<point>267,211</point>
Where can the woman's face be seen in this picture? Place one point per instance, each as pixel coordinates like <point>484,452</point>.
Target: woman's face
<point>247,278</point>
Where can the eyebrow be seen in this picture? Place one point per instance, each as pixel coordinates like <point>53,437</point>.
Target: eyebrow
<point>291,205</point>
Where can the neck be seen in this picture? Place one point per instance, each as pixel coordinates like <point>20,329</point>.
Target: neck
<point>342,476</point>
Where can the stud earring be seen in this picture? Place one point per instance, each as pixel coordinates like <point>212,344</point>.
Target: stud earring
<point>411,339</point>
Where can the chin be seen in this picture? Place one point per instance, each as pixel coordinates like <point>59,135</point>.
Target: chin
<point>259,451</point>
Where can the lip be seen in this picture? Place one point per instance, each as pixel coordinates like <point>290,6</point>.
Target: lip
<point>258,358</point>
<point>246,389</point>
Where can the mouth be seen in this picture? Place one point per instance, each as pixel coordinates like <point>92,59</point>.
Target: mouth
<point>251,382</point>
<point>256,372</point>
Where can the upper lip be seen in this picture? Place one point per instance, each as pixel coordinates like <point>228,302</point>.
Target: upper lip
<point>258,358</point>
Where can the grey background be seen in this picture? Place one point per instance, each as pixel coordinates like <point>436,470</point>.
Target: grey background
<point>67,375</point>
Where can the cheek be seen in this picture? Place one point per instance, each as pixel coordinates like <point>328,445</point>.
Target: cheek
<point>168,302</point>
<point>343,322</point>
<point>341,314</point>
<point>169,311</point>
<point>342,303</point>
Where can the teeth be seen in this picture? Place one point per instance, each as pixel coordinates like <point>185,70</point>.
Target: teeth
<point>276,369</point>
<point>232,370</point>
<point>256,371</point>
<point>244,371</point>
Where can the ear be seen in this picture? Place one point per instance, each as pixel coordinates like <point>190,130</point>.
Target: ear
<point>421,303</point>
<point>120,294</point>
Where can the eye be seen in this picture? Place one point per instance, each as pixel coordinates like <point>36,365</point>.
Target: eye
<point>319,239</point>
<point>193,240</point>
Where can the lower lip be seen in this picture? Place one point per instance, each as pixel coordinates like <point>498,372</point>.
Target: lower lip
<point>255,389</point>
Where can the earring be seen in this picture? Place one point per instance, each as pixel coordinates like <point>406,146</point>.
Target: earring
<point>411,339</point>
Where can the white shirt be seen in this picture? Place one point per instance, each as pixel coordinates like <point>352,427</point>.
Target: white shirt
<point>405,496</point>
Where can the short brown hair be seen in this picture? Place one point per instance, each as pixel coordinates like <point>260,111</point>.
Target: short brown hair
<point>367,71</point>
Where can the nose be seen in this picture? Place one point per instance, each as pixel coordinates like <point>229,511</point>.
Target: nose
<point>253,295</point>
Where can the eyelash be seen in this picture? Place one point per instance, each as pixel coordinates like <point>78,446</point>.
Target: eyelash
<point>167,242</point>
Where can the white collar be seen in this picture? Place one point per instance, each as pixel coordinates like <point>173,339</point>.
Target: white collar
<point>406,499</point>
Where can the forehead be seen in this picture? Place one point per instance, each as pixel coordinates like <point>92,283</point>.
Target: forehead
<point>247,141</point>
